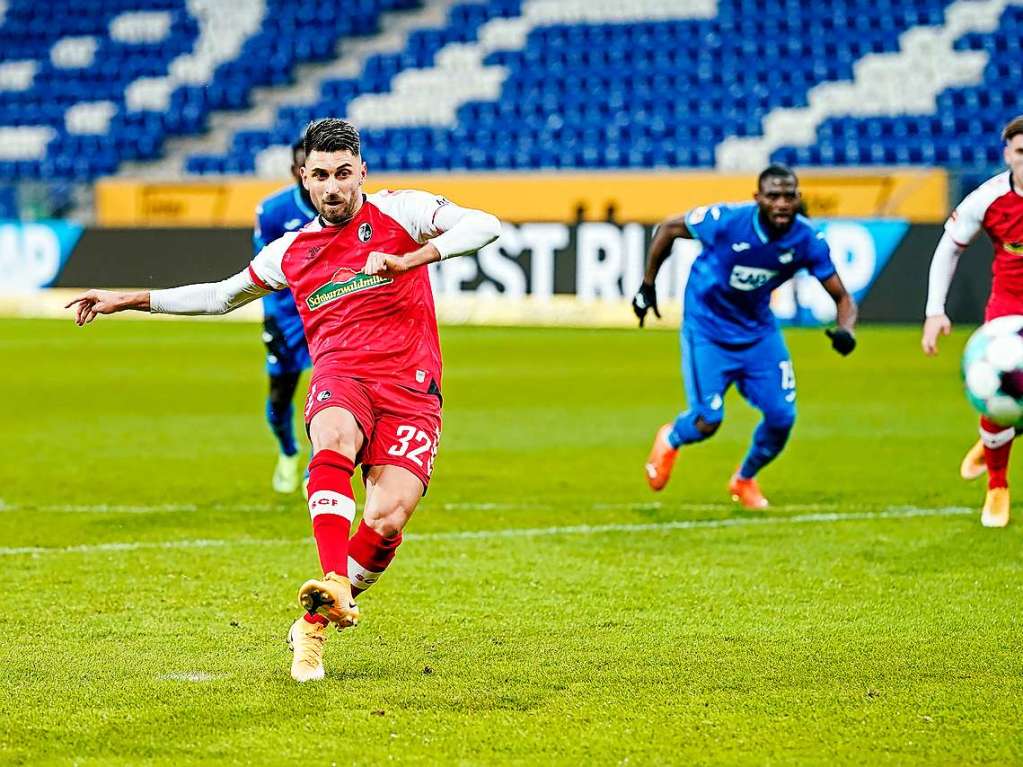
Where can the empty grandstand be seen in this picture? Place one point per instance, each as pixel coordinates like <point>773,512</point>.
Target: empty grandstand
<point>181,88</point>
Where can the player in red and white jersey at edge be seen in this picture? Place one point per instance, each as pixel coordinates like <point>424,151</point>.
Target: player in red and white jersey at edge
<point>996,206</point>
<point>358,274</point>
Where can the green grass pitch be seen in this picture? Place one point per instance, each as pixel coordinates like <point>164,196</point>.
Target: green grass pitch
<point>546,607</point>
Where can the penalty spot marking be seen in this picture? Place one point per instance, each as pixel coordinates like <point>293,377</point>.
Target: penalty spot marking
<point>189,676</point>
<point>766,520</point>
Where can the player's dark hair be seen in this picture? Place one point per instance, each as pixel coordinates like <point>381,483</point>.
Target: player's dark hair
<point>297,146</point>
<point>1012,129</point>
<point>331,135</point>
<point>775,170</point>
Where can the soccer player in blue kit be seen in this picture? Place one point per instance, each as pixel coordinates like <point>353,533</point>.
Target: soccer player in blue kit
<point>729,334</point>
<point>286,353</point>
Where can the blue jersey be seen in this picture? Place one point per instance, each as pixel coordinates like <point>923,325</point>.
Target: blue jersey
<point>283,211</point>
<point>728,295</point>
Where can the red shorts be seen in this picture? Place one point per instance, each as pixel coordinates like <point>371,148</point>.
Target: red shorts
<point>1001,305</point>
<point>401,426</point>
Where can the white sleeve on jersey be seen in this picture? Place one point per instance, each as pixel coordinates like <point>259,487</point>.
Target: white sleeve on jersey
<point>968,217</point>
<point>207,298</point>
<point>453,230</point>
<point>943,269</point>
<point>960,229</point>
<point>266,267</point>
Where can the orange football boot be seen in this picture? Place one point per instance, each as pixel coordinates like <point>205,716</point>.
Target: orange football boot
<point>330,597</point>
<point>661,459</point>
<point>747,492</point>
<point>973,464</point>
<point>996,508</point>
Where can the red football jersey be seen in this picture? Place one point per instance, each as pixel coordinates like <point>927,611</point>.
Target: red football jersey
<point>995,206</point>
<point>363,326</point>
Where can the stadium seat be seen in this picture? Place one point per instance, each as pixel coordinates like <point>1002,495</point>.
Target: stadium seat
<point>504,83</point>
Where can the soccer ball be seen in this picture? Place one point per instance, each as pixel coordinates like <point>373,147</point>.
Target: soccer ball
<point>993,370</point>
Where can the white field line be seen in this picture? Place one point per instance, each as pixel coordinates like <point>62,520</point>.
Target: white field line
<point>285,506</point>
<point>897,512</point>
<point>162,508</point>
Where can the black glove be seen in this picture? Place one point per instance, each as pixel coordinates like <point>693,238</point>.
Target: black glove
<point>842,341</point>
<point>645,300</point>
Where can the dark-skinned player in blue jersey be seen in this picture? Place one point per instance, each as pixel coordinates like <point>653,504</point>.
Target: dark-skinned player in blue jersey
<point>286,210</point>
<point>729,334</point>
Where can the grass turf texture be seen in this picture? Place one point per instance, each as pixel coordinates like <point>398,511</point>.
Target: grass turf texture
<point>859,641</point>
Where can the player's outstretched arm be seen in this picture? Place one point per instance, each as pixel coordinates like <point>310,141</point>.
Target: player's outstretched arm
<point>93,303</point>
<point>660,248</point>
<point>843,338</point>
<point>939,279</point>
<point>207,298</point>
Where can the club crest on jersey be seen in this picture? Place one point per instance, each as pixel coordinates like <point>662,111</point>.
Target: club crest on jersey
<point>365,232</point>
<point>337,288</point>
<point>749,277</point>
<point>1016,248</point>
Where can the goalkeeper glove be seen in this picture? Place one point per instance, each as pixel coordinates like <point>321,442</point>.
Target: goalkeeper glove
<point>645,300</point>
<point>842,341</point>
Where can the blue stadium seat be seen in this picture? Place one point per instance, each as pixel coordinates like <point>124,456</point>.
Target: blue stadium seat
<point>635,94</point>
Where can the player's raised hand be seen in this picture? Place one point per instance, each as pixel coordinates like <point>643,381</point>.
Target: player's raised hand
<point>95,302</point>
<point>644,301</point>
<point>937,325</point>
<point>842,341</point>
<point>385,264</point>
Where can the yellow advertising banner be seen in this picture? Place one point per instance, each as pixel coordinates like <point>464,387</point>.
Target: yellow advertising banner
<point>916,195</point>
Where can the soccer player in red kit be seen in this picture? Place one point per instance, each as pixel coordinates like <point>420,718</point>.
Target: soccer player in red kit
<point>358,275</point>
<point>996,206</point>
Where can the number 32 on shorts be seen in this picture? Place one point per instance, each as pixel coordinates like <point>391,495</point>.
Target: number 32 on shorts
<point>415,445</point>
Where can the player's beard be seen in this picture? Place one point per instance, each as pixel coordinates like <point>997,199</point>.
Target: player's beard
<point>338,212</point>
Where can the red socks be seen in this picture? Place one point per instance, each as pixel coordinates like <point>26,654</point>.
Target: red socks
<point>997,447</point>
<point>369,554</point>
<point>332,507</point>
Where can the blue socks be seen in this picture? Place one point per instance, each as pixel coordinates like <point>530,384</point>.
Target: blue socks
<point>768,442</point>
<point>280,420</point>
<point>684,431</point>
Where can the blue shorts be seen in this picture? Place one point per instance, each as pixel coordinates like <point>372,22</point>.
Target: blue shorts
<point>286,350</point>
<point>761,370</point>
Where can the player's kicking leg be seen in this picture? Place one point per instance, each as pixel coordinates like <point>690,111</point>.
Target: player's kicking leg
<point>400,458</point>
<point>997,442</point>
<point>392,494</point>
<point>707,371</point>
<point>769,384</point>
